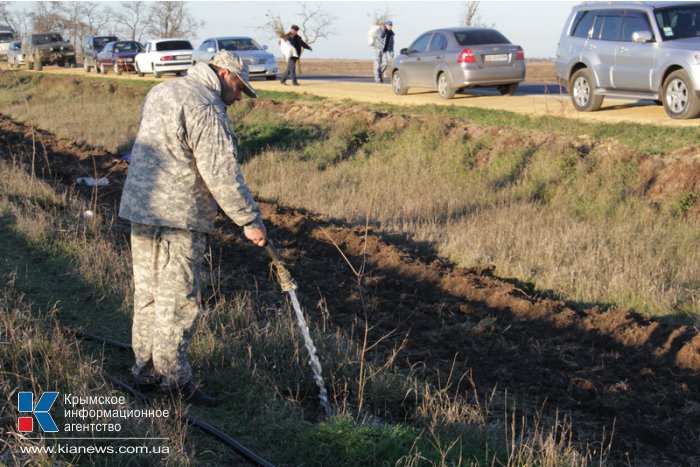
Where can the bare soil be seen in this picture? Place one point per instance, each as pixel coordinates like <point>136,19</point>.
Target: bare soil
<point>609,370</point>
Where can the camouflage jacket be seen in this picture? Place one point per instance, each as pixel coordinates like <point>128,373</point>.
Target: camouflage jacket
<point>183,161</point>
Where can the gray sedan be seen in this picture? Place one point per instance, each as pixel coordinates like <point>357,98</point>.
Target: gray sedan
<point>458,58</point>
<point>260,61</point>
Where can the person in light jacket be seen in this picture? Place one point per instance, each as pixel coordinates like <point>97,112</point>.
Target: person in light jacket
<point>291,55</point>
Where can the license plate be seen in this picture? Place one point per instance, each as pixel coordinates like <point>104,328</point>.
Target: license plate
<point>256,69</point>
<point>183,57</point>
<point>496,58</point>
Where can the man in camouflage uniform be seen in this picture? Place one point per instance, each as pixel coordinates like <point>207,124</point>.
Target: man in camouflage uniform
<point>183,164</point>
<point>383,50</point>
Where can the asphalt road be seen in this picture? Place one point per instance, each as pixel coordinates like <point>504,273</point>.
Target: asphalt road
<point>532,98</point>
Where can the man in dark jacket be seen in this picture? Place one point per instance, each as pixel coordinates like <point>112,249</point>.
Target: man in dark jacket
<point>383,50</point>
<point>298,44</point>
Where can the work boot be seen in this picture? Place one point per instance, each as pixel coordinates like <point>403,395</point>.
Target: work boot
<point>145,377</point>
<point>190,393</point>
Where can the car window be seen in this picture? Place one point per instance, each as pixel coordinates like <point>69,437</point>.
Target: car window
<point>438,43</point>
<point>206,44</point>
<point>679,22</point>
<point>239,44</point>
<point>634,22</point>
<point>46,38</point>
<point>173,45</point>
<point>480,37</point>
<point>126,47</point>
<point>607,26</point>
<point>100,42</point>
<point>109,47</point>
<point>421,44</point>
<point>582,24</point>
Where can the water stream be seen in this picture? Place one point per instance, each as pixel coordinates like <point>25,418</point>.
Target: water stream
<point>311,348</point>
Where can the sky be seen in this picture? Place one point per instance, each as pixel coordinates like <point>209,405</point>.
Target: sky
<point>535,26</point>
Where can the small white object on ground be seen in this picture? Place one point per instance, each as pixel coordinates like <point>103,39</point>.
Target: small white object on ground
<point>88,215</point>
<point>89,181</point>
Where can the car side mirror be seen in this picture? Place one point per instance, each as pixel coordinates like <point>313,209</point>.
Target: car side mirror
<point>640,37</point>
<point>405,51</point>
<point>211,49</point>
<point>264,47</point>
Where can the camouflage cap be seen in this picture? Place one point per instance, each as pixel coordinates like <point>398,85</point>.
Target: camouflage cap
<point>234,64</point>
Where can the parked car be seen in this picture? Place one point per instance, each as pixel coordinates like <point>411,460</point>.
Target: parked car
<point>47,49</point>
<point>14,54</point>
<point>118,56</point>
<point>638,50</point>
<point>260,61</point>
<point>7,36</point>
<point>453,59</point>
<point>164,56</point>
<point>92,45</point>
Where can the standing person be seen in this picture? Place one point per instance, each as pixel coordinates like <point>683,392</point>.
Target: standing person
<point>383,50</point>
<point>183,164</point>
<point>291,55</point>
<point>298,44</point>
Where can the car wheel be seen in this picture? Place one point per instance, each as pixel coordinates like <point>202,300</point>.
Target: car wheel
<point>138,70</point>
<point>72,63</point>
<point>680,100</point>
<point>117,70</point>
<point>583,94</point>
<point>444,86</point>
<point>155,73</point>
<point>398,85</point>
<point>508,89</point>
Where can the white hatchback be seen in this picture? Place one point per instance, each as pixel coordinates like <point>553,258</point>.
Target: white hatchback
<point>164,56</point>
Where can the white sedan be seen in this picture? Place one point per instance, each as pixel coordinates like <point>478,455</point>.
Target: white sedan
<point>164,56</point>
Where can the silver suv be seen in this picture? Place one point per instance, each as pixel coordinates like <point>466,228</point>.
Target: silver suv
<point>639,50</point>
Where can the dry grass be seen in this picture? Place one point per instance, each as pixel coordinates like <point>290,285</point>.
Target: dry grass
<point>526,201</point>
<point>245,339</point>
<point>541,212</point>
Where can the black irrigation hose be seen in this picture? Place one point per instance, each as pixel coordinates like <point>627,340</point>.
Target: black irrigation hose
<point>90,337</point>
<point>240,449</point>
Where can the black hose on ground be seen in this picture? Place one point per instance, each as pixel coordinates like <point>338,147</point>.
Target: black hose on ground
<point>240,449</point>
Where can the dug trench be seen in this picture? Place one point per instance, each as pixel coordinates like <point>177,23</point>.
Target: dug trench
<point>611,371</point>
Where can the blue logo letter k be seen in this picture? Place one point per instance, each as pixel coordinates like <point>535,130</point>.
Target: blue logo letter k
<point>25,403</point>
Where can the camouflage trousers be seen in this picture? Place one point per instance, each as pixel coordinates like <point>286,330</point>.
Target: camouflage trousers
<point>167,270</point>
<point>381,62</point>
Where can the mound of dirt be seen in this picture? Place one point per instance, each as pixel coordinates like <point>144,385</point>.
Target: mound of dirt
<point>610,370</point>
<point>672,176</point>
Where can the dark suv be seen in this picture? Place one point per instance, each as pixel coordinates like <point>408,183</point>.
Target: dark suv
<point>639,50</point>
<point>47,49</point>
<point>92,45</point>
